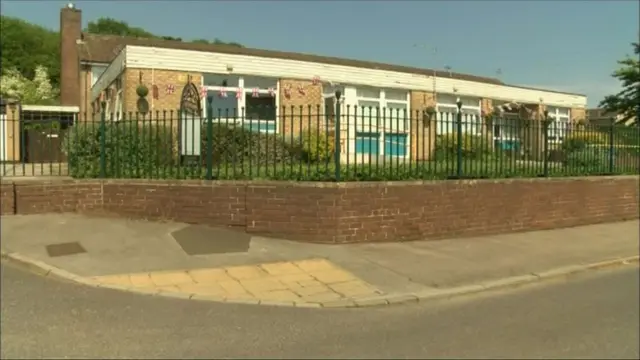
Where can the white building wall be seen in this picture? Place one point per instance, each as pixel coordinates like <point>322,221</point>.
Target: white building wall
<point>206,62</point>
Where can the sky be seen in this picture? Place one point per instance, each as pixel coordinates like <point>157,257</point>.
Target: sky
<point>568,46</point>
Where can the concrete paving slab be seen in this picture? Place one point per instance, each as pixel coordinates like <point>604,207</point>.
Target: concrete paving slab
<point>116,246</point>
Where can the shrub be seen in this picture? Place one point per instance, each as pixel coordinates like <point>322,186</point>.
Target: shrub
<point>580,140</point>
<point>472,146</point>
<point>237,145</point>
<point>130,151</point>
<point>593,160</point>
<point>317,145</point>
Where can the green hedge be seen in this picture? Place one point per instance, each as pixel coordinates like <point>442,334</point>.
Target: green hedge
<point>473,146</point>
<point>131,151</point>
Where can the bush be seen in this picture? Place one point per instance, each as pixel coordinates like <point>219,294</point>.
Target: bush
<point>580,140</point>
<point>317,145</point>
<point>594,160</point>
<point>473,146</point>
<point>237,145</point>
<point>130,151</point>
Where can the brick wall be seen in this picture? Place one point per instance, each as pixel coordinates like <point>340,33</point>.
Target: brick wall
<point>578,115</point>
<point>423,130</point>
<point>292,118</point>
<point>160,78</point>
<point>344,213</point>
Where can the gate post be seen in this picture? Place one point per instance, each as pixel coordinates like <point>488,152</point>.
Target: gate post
<point>103,133</point>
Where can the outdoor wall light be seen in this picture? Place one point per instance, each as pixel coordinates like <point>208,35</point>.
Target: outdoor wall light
<point>459,103</point>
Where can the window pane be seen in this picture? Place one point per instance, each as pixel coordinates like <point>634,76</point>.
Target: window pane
<point>262,107</point>
<point>446,99</point>
<point>368,93</point>
<point>395,95</point>
<point>96,71</point>
<point>259,82</point>
<point>221,80</point>
<point>451,100</point>
<point>223,107</point>
<point>397,110</point>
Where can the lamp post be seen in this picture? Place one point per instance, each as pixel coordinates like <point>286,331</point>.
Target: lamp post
<point>459,139</point>
<point>545,145</point>
<point>433,74</point>
<point>337,137</point>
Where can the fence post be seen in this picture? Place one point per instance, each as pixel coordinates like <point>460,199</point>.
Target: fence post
<point>103,133</point>
<point>611,144</point>
<point>459,140</point>
<point>545,145</point>
<point>337,129</point>
<point>209,175</point>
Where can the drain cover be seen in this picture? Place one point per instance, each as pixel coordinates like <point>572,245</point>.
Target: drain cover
<point>203,240</point>
<point>64,249</point>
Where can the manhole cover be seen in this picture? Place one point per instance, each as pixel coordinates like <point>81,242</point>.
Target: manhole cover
<point>64,249</point>
<point>203,240</point>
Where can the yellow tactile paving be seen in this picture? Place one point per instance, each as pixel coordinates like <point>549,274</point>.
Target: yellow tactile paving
<point>305,281</point>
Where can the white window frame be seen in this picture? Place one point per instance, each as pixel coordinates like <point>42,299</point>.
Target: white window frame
<point>452,110</point>
<point>241,103</point>
<point>559,124</point>
<point>504,122</point>
<point>390,123</point>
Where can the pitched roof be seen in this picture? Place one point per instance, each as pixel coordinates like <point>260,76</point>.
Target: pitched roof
<point>103,48</point>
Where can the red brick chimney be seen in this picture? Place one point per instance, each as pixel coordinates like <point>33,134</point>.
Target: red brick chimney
<point>70,33</point>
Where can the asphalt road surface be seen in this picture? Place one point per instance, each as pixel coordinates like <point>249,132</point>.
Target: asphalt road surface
<point>594,315</point>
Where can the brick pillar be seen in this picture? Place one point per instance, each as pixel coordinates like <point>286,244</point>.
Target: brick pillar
<point>423,129</point>
<point>70,32</point>
<point>13,132</point>
<point>292,119</point>
<point>486,108</point>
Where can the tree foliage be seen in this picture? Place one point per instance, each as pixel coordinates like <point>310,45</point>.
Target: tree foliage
<point>627,101</point>
<point>25,46</point>
<point>36,91</point>
<point>109,26</point>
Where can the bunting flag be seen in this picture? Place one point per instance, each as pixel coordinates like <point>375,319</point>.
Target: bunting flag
<point>255,92</point>
<point>239,93</point>
<point>287,91</point>
<point>222,93</point>
<point>203,92</point>
<point>272,91</point>
<point>316,80</point>
<point>171,89</point>
<point>301,90</point>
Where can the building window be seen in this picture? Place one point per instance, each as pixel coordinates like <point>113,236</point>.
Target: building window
<point>96,72</point>
<point>447,111</point>
<point>256,108</point>
<point>382,115</point>
<point>560,119</point>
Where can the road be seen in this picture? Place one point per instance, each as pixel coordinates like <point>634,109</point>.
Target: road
<point>594,315</point>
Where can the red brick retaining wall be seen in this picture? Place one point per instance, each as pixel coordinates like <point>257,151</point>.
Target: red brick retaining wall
<point>343,213</point>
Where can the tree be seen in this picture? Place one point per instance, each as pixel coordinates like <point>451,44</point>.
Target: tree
<point>25,46</point>
<point>37,91</point>
<point>109,26</point>
<point>627,101</point>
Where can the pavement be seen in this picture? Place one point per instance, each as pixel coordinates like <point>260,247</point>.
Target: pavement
<point>591,315</point>
<point>203,263</point>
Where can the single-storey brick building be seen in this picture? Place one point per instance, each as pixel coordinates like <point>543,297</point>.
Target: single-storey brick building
<point>96,67</point>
